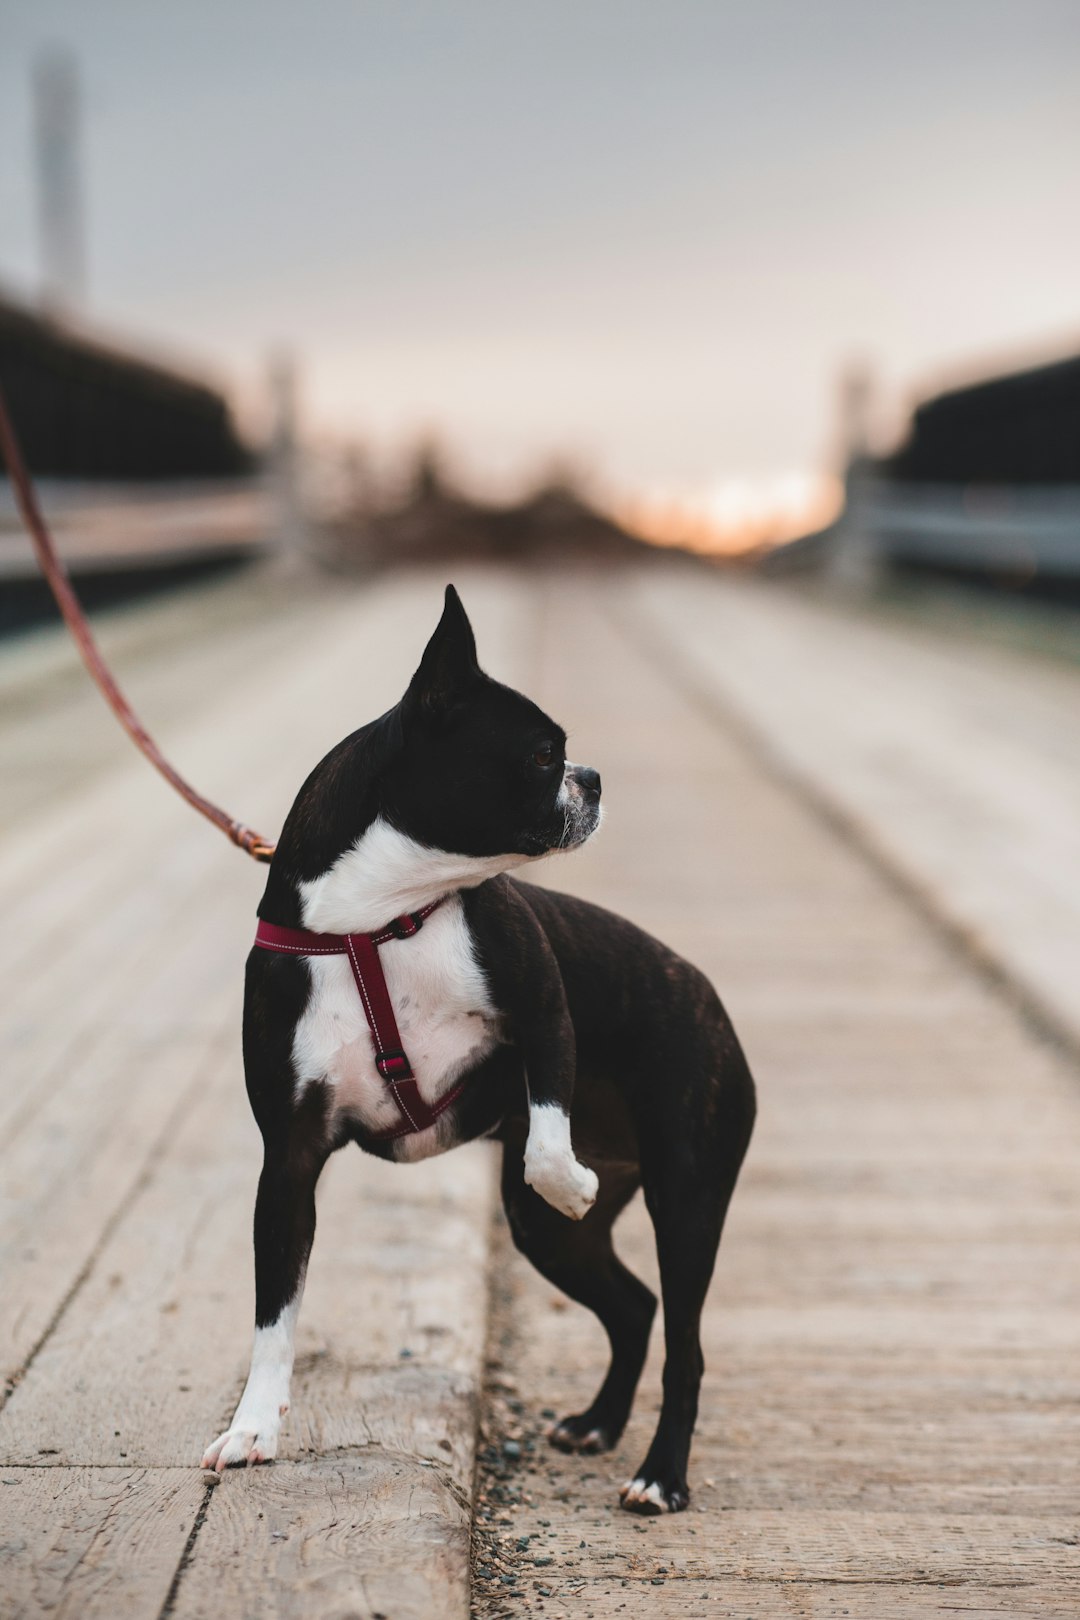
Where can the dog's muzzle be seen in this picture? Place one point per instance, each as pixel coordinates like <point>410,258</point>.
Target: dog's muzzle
<point>579,801</point>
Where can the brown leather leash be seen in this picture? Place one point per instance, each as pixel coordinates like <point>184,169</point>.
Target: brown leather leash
<point>68,603</point>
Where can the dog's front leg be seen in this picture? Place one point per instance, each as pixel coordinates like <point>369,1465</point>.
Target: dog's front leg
<point>551,1166</point>
<point>529,986</point>
<point>284,1231</point>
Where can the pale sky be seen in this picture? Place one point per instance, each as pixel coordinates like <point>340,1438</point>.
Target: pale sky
<point>647,236</point>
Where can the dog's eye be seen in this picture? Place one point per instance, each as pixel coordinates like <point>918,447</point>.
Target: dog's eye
<point>545,755</point>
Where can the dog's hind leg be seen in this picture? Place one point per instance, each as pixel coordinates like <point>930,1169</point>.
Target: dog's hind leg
<point>688,1177</point>
<point>284,1232</point>
<point>577,1256</point>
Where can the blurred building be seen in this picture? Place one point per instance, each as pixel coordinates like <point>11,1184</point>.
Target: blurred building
<point>87,410</point>
<point>985,484</point>
<point>143,475</point>
<point>1022,429</point>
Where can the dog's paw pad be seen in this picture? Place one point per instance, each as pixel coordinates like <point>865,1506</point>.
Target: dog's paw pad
<point>648,1497</point>
<point>570,1436</point>
<point>240,1447</point>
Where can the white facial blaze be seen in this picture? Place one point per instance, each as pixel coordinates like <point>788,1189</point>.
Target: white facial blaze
<point>550,1166</point>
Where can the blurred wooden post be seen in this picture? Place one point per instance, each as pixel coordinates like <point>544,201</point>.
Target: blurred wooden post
<point>288,523</point>
<point>854,558</point>
<point>56,141</point>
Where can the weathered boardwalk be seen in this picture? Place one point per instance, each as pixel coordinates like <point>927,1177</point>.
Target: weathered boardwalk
<point>945,749</point>
<point>128,1162</point>
<point>890,1419</point>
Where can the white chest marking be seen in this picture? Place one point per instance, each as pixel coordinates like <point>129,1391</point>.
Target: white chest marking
<point>440,996</point>
<point>444,1014</point>
<point>387,873</point>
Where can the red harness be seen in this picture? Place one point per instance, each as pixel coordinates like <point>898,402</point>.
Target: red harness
<point>363,953</point>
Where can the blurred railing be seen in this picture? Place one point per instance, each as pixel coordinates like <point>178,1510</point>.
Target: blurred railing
<point>106,528</point>
<point>1031,528</point>
<point>1019,533</point>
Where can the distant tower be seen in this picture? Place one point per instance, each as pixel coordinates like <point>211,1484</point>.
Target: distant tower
<point>288,527</point>
<point>856,393</point>
<point>855,562</point>
<point>56,140</point>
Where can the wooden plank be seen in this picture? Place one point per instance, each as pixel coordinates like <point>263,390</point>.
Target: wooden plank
<point>362,1535</point>
<point>889,1412</point>
<point>92,1544</point>
<point>56,871</point>
<point>157,891</point>
<point>678,1597</point>
<point>260,740</point>
<point>952,754</point>
<point>131,1165</point>
<point>820,1545</point>
<point>129,815</point>
<point>66,1180</point>
<point>57,1003</point>
<point>78,1143</point>
<point>152,1352</point>
<point>178,654</point>
<point>93,1106</point>
<point>114,975</point>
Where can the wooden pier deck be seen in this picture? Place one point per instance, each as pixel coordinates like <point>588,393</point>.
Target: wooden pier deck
<point>892,1406</point>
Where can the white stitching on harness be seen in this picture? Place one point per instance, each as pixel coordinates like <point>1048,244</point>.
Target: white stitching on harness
<point>401,1105</point>
<point>359,977</point>
<point>376,940</point>
<point>436,1109</point>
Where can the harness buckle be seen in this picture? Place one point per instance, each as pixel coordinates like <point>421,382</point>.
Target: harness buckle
<point>393,1065</point>
<point>405,927</point>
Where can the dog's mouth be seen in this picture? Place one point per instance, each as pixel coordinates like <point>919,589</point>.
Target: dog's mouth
<point>572,819</point>
<point>581,816</point>
<point>572,825</point>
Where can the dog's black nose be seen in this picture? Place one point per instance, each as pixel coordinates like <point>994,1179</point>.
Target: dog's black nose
<point>588,780</point>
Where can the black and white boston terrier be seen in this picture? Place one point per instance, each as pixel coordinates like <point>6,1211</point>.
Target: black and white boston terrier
<point>408,995</point>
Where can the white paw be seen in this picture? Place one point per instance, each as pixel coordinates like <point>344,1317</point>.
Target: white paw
<point>245,1442</point>
<point>637,1493</point>
<point>562,1182</point>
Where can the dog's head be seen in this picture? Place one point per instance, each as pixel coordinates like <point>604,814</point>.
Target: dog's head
<point>461,765</point>
<point>482,770</point>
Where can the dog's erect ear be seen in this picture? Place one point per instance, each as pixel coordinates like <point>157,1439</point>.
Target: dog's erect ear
<point>448,667</point>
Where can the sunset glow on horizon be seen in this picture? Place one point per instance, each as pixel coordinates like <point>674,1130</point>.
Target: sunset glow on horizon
<point>736,516</point>
<point>650,241</point>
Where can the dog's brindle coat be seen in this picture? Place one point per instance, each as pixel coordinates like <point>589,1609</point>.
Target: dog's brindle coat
<point>551,1007</point>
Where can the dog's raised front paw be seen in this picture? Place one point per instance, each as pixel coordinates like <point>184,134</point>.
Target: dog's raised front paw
<point>652,1496</point>
<point>243,1444</point>
<point>562,1182</point>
